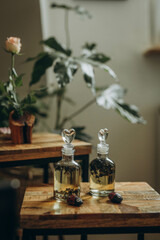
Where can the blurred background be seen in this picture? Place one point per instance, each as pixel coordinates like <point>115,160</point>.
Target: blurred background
<point>124,30</point>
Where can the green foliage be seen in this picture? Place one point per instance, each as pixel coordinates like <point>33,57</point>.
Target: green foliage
<point>112,98</point>
<point>2,89</point>
<point>9,99</point>
<point>41,92</point>
<point>65,71</point>
<point>65,66</point>
<point>29,99</point>
<point>4,116</point>
<point>43,62</point>
<point>77,9</point>
<point>54,44</point>
<point>89,51</point>
<point>40,55</point>
<point>18,80</point>
<point>130,112</point>
<point>39,111</point>
<point>88,74</point>
<point>61,6</point>
<point>99,57</point>
<point>13,72</point>
<point>89,46</point>
<point>80,134</point>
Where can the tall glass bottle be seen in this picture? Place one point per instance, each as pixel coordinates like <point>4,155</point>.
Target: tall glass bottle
<point>67,172</point>
<point>102,169</point>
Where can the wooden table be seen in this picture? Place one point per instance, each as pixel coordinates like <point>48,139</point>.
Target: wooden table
<point>138,213</point>
<point>45,148</point>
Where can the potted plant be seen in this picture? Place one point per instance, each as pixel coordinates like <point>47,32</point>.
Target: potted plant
<point>19,111</point>
<point>65,66</point>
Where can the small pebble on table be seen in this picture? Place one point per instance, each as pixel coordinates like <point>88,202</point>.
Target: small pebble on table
<point>74,200</point>
<point>115,197</point>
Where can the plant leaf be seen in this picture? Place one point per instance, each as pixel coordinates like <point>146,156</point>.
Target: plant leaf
<point>35,110</point>
<point>88,73</point>
<point>40,55</point>
<point>54,44</point>
<point>41,66</point>
<point>65,71</point>
<point>100,88</point>
<point>14,72</point>
<point>41,92</point>
<point>18,80</point>
<point>2,88</point>
<point>4,113</point>
<point>90,55</point>
<point>109,70</point>
<point>77,9</point>
<point>112,98</point>
<point>89,46</point>
<point>131,109</point>
<point>82,11</point>
<point>99,57</point>
<point>89,51</point>
<point>28,100</point>
<point>62,75</point>
<point>62,6</point>
<point>99,65</point>
<point>80,134</point>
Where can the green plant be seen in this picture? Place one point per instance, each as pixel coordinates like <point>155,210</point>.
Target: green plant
<point>9,99</point>
<point>65,66</point>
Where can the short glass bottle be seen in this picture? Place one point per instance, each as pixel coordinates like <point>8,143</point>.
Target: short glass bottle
<point>102,169</point>
<point>67,172</point>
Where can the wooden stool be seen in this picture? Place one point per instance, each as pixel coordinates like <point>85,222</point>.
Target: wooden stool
<point>45,148</point>
<point>138,213</point>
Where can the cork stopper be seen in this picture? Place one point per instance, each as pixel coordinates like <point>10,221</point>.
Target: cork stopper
<point>68,136</point>
<point>103,147</point>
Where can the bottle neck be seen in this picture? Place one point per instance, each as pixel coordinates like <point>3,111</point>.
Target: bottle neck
<point>68,157</point>
<point>102,156</point>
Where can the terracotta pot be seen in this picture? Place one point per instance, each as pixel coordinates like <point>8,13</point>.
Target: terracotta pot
<point>21,128</point>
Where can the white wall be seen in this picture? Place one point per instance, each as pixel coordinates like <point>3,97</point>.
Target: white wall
<point>122,30</point>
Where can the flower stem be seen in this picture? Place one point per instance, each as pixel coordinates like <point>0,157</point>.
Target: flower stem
<point>14,95</point>
<point>12,60</point>
<point>12,67</point>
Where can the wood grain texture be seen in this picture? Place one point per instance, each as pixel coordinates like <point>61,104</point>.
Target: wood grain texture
<point>140,208</point>
<point>44,145</point>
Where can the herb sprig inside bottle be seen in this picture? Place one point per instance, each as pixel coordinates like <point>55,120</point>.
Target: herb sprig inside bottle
<point>67,172</point>
<point>102,169</point>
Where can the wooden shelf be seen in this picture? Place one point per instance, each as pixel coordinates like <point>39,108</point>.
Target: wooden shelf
<point>44,145</point>
<point>153,51</point>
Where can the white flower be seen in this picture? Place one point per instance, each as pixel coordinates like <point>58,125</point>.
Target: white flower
<point>13,45</point>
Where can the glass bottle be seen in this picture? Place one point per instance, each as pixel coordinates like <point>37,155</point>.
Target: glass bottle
<point>67,172</point>
<point>102,169</point>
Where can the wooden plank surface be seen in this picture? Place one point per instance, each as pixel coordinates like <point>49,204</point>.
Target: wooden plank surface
<point>44,145</point>
<point>140,208</point>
